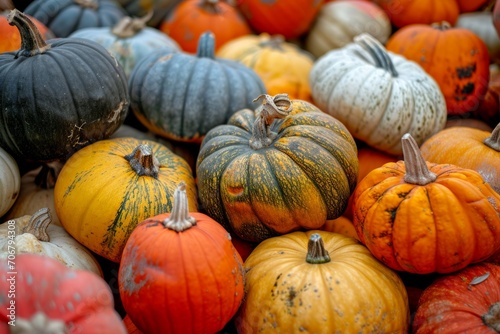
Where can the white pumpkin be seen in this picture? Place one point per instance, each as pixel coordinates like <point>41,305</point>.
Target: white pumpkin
<point>36,235</point>
<point>10,181</point>
<point>379,96</point>
<point>338,22</point>
<point>481,24</point>
<point>37,191</point>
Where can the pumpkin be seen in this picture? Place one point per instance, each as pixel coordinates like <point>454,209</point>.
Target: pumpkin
<point>468,123</point>
<point>455,57</point>
<point>283,67</point>
<point>341,225</point>
<point>199,273</point>
<point>406,12</point>
<point>35,234</point>
<point>139,8</point>
<point>131,328</point>
<point>10,181</point>
<point>291,19</point>
<point>10,39</point>
<point>489,108</point>
<point>104,190</point>
<point>468,148</point>
<point>64,17</point>
<point>52,298</point>
<point>424,217</point>
<point>480,24</point>
<point>191,18</point>
<point>338,22</point>
<point>496,16</point>
<point>467,6</point>
<point>57,97</point>
<point>182,96</point>
<point>466,301</point>
<point>129,41</point>
<point>37,191</point>
<point>283,166</point>
<point>377,95</point>
<point>320,282</point>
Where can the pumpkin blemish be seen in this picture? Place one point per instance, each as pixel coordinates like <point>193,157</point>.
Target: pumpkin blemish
<point>466,72</point>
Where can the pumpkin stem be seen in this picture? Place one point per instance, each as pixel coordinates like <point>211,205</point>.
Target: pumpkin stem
<point>47,176</point>
<point>91,4</point>
<point>211,6</point>
<point>492,318</point>
<point>179,219</point>
<point>6,5</point>
<point>377,51</point>
<point>143,161</point>
<point>316,252</point>
<point>206,46</point>
<point>441,25</point>
<point>40,324</point>
<point>128,26</point>
<point>493,141</point>
<point>32,42</point>
<point>417,171</point>
<point>273,107</point>
<point>274,41</point>
<point>38,224</point>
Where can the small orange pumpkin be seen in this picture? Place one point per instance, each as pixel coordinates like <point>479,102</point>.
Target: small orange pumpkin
<point>424,217</point>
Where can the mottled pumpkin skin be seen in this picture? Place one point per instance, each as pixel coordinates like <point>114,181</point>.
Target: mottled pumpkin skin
<point>302,179</point>
<point>464,147</point>
<point>455,57</point>
<point>353,293</point>
<point>451,304</point>
<point>100,199</point>
<point>440,227</point>
<point>181,282</point>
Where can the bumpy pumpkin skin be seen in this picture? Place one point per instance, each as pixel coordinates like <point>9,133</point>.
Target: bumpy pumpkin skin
<point>454,304</point>
<point>353,293</point>
<point>441,227</point>
<point>455,57</point>
<point>100,199</point>
<point>304,177</point>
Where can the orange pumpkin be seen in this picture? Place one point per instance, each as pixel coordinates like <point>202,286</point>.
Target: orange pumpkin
<point>468,148</point>
<point>10,38</point>
<point>424,217</point>
<point>180,273</point>
<point>341,225</point>
<point>455,57</point>
<point>405,12</point>
<point>467,6</point>
<point>191,18</point>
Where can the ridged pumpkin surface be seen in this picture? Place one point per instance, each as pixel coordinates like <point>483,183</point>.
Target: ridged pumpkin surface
<point>302,178</point>
<point>100,198</point>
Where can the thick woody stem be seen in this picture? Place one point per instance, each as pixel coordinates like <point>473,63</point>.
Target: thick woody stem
<point>38,224</point>
<point>32,42</point>
<point>492,318</point>
<point>377,51</point>
<point>46,178</point>
<point>493,141</point>
<point>143,161</point>
<point>417,171</point>
<point>128,26</point>
<point>179,219</point>
<point>316,252</point>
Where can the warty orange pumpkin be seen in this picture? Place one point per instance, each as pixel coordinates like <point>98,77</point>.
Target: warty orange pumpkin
<point>424,217</point>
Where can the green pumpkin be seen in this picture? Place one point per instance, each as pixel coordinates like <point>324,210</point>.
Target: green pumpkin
<point>182,96</point>
<point>58,97</point>
<point>282,167</point>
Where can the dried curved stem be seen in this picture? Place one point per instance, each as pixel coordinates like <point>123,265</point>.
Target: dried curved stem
<point>143,161</point>
<point>179,219</point>
<point>493,141</point>
<point>417,171</point>
<point>377,52</point>
<point>38,224</point>
<point>316,251</point>
<point>128,26</point>
<point>32,42</point>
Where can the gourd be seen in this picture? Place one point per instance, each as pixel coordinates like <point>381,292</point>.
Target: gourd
<point>423,217</point>
<point>196,269</point>
<point>104,190</point>
<point>35,234</point>
<point>320,282</point>
<point>10,181</point>
<point>50,297</point>
<point>59,96</point>
<point>377,95</point>
<point>480,24</point>
<point>284,166</point>
<point>139,8</point>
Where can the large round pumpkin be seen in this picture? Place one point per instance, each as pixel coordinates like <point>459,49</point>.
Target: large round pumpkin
<point>464,302</point>
<point>424,217</point>
<point>284,166</point>
<point>468,148</point>
<point>107,188</point>
<point>455,57</point>
<point>180,273</point>
<point>320,282</point>
<point>377,95</point>
<point>283,67</point>
<point>182,96</point>
<point>57,97</point>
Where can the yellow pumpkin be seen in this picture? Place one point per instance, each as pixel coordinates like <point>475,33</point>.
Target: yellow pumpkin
<point>105,189</point>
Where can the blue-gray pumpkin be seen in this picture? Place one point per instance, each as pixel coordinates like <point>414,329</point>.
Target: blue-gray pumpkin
<point>64,17</point>
<point>182,96</point>
<point>57,96</point>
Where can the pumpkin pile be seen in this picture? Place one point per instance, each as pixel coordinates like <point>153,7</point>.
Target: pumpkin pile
<point>222,166</point>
